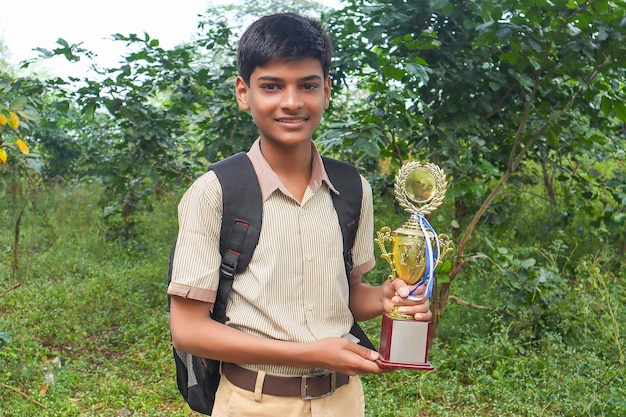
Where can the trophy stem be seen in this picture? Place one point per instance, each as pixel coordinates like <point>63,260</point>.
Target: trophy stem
<point>394,313</point>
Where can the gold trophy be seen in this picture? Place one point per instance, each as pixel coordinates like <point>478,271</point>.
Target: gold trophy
<point>416,252</point>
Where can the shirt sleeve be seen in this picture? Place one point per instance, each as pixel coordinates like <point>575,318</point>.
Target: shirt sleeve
<point>196,260</point>
<point>363,250</point>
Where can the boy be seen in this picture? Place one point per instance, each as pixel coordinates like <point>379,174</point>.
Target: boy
<point>290,311</point>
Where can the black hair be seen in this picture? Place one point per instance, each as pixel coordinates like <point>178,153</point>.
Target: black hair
<point>287,36</point>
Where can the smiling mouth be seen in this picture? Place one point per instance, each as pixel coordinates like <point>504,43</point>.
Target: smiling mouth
<point>290,121</point>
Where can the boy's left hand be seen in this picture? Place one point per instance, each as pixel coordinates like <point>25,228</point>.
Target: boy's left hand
<point>395,294</point>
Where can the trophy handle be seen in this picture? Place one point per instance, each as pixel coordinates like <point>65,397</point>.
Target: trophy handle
<point>384,235</point>
<point>445,246</point>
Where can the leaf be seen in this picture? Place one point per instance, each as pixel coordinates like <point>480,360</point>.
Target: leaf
<point>600,139</point>
<point>437,4</point>
<point>620,111</point>
<point>605,105</point>
<point>3,156</point>
<point>19,102</point>
<point>444,268</point>
<point>22,146</point>
<point>89,110</point>
<point>419,71</point>
<point>443,279</point>
<point>484,25</point>
<point>14,121</point>
<point>534,44</point>
<point>43,389</point>
<point>528,263</point>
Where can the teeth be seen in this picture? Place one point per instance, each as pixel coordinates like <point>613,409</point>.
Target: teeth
<point>292,121</point>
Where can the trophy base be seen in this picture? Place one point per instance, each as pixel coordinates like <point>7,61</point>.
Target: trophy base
<point>399,365</point>
<point>404,344</point>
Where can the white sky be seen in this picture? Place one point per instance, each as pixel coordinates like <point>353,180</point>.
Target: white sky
<point>29,24</point>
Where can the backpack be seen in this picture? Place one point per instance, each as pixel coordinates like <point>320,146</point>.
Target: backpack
<point>198,378</point>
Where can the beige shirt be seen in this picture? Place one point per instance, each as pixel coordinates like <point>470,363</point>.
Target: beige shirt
<point>294,287</point>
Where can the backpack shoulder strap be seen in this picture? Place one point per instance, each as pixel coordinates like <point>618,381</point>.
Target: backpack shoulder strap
<point>347,180</point>
<point>241,222</point>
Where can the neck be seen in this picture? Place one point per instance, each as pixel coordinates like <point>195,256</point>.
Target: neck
<point>288,160</point>
<point>292,164</point>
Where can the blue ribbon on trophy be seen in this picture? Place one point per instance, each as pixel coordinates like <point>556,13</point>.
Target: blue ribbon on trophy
<point>431,258</point>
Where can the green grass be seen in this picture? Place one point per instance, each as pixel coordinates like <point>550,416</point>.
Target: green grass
<point>92,313</point>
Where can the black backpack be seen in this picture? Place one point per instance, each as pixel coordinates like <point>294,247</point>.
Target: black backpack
<point>198,378</point>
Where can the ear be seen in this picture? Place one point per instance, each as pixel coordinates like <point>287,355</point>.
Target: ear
<point>327,85</point>
<point>241,92</point>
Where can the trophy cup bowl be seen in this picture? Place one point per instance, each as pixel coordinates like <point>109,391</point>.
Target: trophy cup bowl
<point>416,251</point>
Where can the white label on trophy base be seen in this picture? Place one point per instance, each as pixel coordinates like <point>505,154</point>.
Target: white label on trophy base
<point>409,341</point>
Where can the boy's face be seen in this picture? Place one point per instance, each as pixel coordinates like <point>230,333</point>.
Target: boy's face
<point>286,99</point>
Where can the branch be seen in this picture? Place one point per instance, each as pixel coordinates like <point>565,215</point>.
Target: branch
<point>514,161</point>
<point>174,171</point>
<point>478,307</point>
<point>395,146</point>
<point>500,104</point>
<point>16,241</point>
<point>22,394</point>
<point>516,157</point>
<point>11,288</point>
<point>468,304</point>
<point>168,167</point>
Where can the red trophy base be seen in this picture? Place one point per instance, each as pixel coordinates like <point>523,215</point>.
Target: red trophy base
<point>404,344</point>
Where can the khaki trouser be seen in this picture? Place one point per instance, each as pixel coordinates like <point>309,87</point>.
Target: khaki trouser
<point>232,401</point>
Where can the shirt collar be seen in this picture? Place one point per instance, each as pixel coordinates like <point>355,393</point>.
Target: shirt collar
<point>269,180</point>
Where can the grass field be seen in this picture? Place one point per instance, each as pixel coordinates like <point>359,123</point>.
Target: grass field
<point>83,331</point>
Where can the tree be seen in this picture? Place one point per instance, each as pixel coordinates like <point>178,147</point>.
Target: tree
<point>162,115</point>
<point>481,87</point>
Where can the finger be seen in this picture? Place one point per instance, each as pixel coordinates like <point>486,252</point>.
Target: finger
<point>389,288</point>
<point>423,316</point>
<point>401,288</point>
<point>362,351</point>
<point>411,300</point>
<point>415,293</point>
<point>403,292</point>
<point>412,307</point>
<point>368,354</point>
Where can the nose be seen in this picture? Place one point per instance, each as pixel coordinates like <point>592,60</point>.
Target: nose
<point>291,99</point>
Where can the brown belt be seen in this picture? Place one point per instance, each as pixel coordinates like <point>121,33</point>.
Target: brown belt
<point>307,387</point>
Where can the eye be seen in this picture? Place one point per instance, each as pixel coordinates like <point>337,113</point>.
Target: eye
<point>270,87</point>
<point>310,86</point>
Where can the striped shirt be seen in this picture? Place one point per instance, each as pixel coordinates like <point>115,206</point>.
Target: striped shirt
<point>295,286</point>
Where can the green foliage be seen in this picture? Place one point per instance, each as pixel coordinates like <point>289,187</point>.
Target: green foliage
<point>474,86</point>
<point>88,329</point>
<point>160,117</point>
<point>88,324</point>
<point>19,104</point>
<point>521,103</point>
<point>480,88</point>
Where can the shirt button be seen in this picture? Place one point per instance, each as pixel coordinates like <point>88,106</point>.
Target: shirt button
<point>309,257</point>
<point>302,212</point>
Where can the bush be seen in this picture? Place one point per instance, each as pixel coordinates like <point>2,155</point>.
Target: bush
<point>87,327</point>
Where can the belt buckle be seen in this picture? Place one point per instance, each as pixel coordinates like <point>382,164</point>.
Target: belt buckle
<point>304,387</point>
